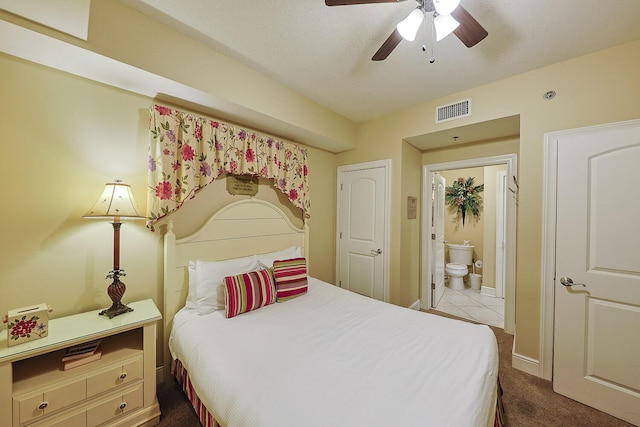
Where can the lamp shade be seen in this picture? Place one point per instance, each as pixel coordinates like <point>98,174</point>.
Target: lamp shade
<point>444,24</point>
<point>445,7</point>
<point>116,201</point>
<point>409,26</point>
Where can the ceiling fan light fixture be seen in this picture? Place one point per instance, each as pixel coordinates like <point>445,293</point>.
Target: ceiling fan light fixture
<point>445,7</point>
<point>444,25</point>
<point>409,26</point>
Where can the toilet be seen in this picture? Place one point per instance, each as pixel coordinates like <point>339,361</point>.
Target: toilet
<point>460,257</point>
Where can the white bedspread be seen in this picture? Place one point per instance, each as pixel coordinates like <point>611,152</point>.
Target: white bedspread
<point>335,358</point>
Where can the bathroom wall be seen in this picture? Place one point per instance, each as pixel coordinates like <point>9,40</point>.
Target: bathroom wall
<point>481,233</point>
<point>473,229</point>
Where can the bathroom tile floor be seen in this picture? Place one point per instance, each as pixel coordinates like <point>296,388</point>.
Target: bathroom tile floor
<point>470,304</point>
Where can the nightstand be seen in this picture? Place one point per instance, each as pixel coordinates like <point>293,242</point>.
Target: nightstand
<point>117,390</point>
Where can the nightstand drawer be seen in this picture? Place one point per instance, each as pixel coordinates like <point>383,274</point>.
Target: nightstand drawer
<point>115,407</point>
<point>33,405</point>
<point>101,411</point>
<point>115,376</point>
<point>75,419</point>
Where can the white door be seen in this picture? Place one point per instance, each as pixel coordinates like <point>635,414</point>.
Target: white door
<point>437,238</point>
<point>362,221</point>
<point>597,326</point>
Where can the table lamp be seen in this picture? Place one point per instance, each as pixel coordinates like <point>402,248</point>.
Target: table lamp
<point>118,203</point>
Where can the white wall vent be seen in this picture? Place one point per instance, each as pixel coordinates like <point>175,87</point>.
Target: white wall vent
<point>453,111</point>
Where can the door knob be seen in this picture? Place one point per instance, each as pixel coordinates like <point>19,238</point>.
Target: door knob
<point>376,252</point>
<point>568,282</point>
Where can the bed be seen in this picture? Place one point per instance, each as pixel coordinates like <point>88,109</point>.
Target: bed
<point>327,357</point>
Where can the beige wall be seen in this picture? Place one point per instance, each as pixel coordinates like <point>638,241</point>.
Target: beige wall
<point>410,228</point>
<point>65,138</point>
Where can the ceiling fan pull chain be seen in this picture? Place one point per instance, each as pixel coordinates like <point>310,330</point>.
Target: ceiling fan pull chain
<point>432,58</point>
<point>426,38</point>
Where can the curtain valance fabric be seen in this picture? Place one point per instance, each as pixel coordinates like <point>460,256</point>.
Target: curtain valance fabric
<point>187,152</point>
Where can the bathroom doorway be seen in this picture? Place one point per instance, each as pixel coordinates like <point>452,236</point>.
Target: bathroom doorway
<point>493,300</point>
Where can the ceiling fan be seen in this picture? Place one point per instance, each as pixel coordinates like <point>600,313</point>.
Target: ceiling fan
<point>448,16</point>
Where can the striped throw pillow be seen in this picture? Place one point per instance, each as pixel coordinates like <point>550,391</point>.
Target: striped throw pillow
<point>291,278</point>
<point>248,291</point>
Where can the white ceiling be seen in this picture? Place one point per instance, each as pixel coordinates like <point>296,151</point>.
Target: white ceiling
<point>324,52</point>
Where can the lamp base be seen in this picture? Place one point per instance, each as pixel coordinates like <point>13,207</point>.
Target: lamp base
<point>116,309</point>
<point>115,291</point>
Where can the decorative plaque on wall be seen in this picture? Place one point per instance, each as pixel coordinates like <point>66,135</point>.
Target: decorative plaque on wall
<point>242,185</point>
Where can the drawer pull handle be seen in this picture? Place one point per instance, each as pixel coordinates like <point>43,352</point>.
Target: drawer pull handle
<point>123,405</point>
<point>123,375</point>
<point>43,406</point>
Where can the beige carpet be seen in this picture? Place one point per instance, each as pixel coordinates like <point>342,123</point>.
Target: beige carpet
<point>529,401</point>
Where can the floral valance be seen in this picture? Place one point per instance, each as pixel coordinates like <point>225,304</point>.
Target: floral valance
<point>187,152</point>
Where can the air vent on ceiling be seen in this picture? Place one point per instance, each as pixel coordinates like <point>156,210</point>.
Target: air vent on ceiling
<point>452,111</point>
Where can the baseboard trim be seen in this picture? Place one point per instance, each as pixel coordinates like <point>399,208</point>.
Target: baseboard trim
<point>525,364</point>
<point>415,305</point>
<point>486,290</point>
<point>159,374</point>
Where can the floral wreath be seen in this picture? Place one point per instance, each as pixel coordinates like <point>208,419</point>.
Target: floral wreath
<point>464,199</point>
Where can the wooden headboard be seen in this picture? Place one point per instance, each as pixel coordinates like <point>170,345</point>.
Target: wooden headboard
<point>242,228</point>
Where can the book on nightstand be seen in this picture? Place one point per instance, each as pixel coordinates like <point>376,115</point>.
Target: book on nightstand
<point>80,354</point>
<point>81,350</point>
<point>82,360</point>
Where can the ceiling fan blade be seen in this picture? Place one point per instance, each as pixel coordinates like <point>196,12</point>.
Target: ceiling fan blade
<point>348,2</point>
<point>470,32</point>
<point>387,47</point>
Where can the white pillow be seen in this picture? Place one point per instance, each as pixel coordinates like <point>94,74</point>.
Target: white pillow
<point>193,281</point>
<point>267,259</point>
<point>210,280</point>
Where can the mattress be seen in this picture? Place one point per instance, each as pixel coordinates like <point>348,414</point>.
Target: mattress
<point>335,358</point>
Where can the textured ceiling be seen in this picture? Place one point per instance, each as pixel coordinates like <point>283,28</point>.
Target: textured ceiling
<point>324,52</point>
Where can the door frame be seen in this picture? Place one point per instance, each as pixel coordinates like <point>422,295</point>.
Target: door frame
<point>511,162</point>
<point>430,233</point>
<point>386,165</point>
<point>549,207</point>
<point>501,208</point>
